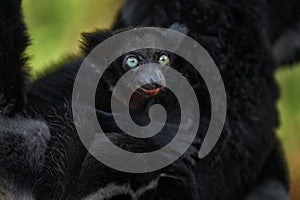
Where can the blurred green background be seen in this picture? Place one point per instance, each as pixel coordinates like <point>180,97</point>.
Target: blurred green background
<point>55,27</point>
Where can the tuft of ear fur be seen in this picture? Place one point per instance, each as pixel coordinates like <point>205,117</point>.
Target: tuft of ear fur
<point>180,28</point>
<point>172,39</point>
<point>92,39</point>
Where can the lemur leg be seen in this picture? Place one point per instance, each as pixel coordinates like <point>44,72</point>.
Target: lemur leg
<point>22,140</point>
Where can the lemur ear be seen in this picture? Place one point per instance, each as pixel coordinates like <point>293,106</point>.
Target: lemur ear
<point>172,38</point>
<point>91,40</point>
<point>180,28</point>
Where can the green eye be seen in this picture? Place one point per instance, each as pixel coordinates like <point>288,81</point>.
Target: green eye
<point>132,62</point>
<point>164,60</point>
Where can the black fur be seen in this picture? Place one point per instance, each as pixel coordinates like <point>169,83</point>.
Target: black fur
<point>22,138</point>
<point>13,43</point>
<point>276,20</point>
<point>248,40</point>
<point>247,160</point>
<point>66,151</point>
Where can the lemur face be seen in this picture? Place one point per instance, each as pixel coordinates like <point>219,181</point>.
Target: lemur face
<point>147,80</point>
<point>150,79</point>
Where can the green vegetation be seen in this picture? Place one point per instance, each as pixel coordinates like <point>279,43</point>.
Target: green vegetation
<point>289,131</point>
<point>55,28</point>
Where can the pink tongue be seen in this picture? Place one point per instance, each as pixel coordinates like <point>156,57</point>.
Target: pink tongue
<point>154,91</point>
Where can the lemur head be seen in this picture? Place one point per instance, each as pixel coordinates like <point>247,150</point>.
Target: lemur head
<point>149,80</point>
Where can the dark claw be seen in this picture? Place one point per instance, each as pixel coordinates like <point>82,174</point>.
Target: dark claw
<point>191,156</point>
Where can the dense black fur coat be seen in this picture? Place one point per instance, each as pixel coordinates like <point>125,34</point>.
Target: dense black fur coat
<point>41,156</point>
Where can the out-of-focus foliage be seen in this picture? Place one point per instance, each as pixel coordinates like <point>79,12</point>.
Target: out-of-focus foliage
<point>289,131</point>
<point>55,27</point>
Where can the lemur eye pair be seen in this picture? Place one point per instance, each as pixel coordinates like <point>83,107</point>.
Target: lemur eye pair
<point>133,62</point>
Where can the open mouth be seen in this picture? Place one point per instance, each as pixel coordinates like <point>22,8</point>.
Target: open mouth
<point>150,89</point>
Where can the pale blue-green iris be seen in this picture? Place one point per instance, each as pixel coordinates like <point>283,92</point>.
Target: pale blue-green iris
<point>132,62</point>
<point>164,60</point>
